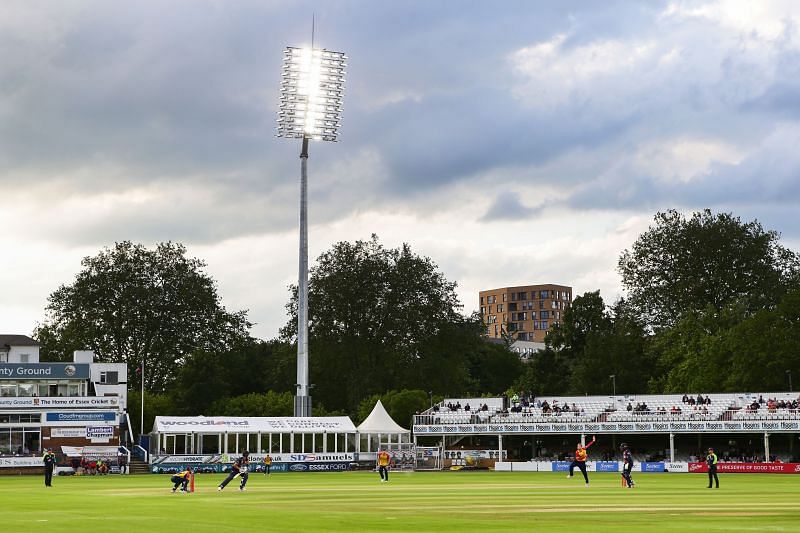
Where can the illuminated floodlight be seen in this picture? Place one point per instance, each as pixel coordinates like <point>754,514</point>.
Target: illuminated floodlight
<point>312,87</point>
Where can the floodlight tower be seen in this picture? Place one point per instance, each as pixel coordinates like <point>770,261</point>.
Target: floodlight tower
<point>312,86</point>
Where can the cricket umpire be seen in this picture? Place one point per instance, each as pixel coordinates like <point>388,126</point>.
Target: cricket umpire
<point>711,461</point>
<point>49,459</point>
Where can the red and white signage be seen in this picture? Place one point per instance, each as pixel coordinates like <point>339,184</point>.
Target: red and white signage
<point>749,468</point>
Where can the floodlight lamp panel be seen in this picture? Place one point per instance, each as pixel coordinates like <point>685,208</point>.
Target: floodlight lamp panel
<point>311,93</point>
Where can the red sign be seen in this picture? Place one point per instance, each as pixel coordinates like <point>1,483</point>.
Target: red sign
<point>749,468</point>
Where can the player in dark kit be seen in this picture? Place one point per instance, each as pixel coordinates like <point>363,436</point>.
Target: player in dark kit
<point>627,465</point>
<point>711,461</point>
<point>239,468</point>
<point>580,461</point>
<point>49,459</point>
<point>182,479</point>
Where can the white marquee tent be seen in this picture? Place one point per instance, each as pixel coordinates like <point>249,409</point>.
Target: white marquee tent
<point>379,429</point>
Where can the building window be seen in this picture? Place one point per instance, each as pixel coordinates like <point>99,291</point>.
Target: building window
<point>541,304</point>
<point>490,309</point>
<point>520,326</point>
<point>505,296</point>
<point>491,299</point>
<point>544,294</point>
<point>543,324</point>
<point>492,319</point>
<point>481,300</point>
<point>544,314</point>
<point>109,377</point>
<point>483,310</point>
<point>3,357</point>
<point>499,308</point>
<point>512,307</point>
<point>522,296</point>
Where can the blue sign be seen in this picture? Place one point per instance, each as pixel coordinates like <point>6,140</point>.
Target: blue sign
<point>34,371</point>
<point>653,467</point>
<point>82,417</point>
<point>607,466</point>
<point>561,466</point>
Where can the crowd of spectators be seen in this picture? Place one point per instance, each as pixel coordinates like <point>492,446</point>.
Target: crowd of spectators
<point>772,405</point>
<point>457,407</point>
<point>89,466</point>
<point>691,400</point>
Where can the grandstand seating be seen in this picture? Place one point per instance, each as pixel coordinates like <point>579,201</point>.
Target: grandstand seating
<point>723,406</point>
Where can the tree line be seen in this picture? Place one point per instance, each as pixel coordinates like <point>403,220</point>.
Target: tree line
<point>711,304</point>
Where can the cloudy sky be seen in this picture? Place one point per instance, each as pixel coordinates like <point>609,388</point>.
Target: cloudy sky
<point>528,144</point>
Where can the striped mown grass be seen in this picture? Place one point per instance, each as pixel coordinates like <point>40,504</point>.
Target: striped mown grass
<point>421,501</point>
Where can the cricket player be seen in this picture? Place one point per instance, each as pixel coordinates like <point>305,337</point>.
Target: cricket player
<point>580,461</point>
<point>383,465</point>
<point>627,465</point>
<point>239,468</point>
<point>267,464</point>
<point>182,479</point>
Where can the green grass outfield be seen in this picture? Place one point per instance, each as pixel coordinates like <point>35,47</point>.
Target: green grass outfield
<point>420,501</point>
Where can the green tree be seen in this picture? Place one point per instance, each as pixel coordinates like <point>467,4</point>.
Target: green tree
<point>382,319</point>
<point>155,404</point>
<point>548,372</point>
<point>130,304</point>
<point>680,265</point>
<point>269,403</point>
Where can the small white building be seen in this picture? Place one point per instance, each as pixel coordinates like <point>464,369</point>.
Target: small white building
<point>50,405</point>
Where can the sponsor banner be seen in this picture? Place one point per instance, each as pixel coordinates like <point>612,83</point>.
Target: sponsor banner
<point>99,432</point>
<point>107,453</point>
<point>749,468</point>
<point>68,433</point>
<point>264,424</point>
<point>676,467</point>
<point>32,371</point>
<point>306,457</point>
<point>81,417</point>
<point>185,459</point>
<point>616,427</point>
<point>526,466</point>
<point>475,454</point>
<point>560,466</point>
<point>66,402</point>
<point>607,466</point>
<point>20,462</point>
<point>653,467</point>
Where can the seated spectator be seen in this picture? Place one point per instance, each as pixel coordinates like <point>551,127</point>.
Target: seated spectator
<point>466,407</point>
<point>685,398</point>
<point>700,399</point>
<point>630,407</point>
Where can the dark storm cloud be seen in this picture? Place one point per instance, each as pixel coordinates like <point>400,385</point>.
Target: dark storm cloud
<point>184,94</point>
<point>507,206</point>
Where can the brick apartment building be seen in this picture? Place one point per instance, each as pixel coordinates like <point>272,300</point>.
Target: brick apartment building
<point>526,312</point>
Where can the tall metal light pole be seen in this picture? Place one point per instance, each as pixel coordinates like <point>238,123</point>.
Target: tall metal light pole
<point>312,87</point>
<point>614,383</point>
